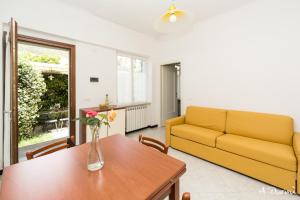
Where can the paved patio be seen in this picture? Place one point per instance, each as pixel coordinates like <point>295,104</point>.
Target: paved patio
<point>57,135</point>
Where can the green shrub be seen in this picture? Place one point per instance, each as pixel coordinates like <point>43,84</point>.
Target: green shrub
<point>31,87</point>
<point>57,92</point>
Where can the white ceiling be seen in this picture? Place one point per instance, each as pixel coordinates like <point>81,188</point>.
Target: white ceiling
<point>140,15</point>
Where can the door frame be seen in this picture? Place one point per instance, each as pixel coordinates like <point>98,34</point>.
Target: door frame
<point>72,86</point>
<point>161,87</point>
<point>4,47</point>
<point>14,129</point>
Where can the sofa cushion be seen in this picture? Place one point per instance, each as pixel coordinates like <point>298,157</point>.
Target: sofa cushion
<point>196,134</point>
<point>210,118</point>
<point>269,127</point>
<point>279,155</point>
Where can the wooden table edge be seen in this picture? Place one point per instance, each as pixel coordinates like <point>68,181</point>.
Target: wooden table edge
<point>166,190</point>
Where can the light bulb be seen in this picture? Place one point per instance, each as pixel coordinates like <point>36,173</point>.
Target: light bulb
<point>173,18</point>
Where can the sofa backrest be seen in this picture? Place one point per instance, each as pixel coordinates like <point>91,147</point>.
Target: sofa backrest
<point>269,127</point>
<point>210,118</point>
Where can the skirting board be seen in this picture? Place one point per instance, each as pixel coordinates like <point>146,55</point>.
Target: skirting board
<point>150,126</point>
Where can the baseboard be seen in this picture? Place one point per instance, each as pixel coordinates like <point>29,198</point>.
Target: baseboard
<point>153,126</point>
<point>137,130</point>
<point>150,126</point>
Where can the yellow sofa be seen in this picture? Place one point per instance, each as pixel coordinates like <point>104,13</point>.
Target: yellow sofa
<point>262,146</point>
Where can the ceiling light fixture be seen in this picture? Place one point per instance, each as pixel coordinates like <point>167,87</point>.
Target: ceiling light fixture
<point>172,14</point>
<point>173,20</point>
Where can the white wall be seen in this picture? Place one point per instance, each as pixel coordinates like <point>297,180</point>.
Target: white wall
<point>244,59</point>
<point>1,103</point>
<point>99,62</point>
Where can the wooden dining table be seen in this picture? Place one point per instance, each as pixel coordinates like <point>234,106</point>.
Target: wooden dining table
<point>131,171</point>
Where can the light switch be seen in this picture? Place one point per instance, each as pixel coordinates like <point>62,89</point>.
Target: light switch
<point>94,79</point>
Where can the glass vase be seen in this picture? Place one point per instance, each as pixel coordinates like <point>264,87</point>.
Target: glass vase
<point>95,158</point>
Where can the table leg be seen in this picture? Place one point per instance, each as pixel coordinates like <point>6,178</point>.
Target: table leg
<point>174,195</point>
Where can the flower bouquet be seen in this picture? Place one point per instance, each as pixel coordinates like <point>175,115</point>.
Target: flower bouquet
<point>95,121</point>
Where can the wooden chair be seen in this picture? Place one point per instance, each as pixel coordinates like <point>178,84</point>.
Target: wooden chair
<point>186,196</point>
<point>158,145</point>
<point>56,146</point>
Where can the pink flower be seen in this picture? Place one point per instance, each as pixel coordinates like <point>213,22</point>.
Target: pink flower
<point>91,113</point>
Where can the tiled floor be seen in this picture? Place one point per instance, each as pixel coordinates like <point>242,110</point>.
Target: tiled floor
<point>207,181</point>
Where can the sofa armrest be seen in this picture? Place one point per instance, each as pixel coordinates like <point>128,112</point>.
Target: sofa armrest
<point>296,144</point>
<point>170,123</point>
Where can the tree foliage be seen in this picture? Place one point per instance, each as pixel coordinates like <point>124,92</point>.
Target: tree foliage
<point>57,91</point>
<point>31,87</point>
<point>50,59</point>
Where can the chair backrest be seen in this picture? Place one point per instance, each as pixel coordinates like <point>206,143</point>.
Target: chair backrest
<point>56,146</point>
<point>186,196</point>
<point>158,145</point>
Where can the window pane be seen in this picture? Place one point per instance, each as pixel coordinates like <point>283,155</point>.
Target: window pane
<point>139,81</point>
<point>124,80</point>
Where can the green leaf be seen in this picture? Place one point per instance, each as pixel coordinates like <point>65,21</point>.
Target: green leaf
<point>92,121</point>
<point>106,123</point>
<point>81,119</point>
<point>103,116</point>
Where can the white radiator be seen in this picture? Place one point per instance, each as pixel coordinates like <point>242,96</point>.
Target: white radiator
<point>136,117</point>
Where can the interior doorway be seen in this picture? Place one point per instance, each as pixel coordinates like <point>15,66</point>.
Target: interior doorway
<point>170,91</point>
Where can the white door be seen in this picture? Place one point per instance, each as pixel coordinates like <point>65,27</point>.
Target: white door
<point>169,96</point>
